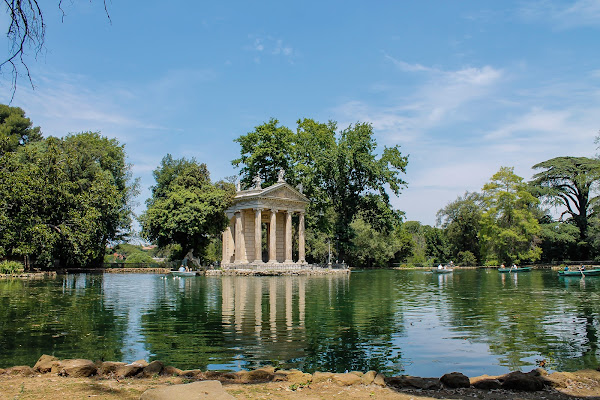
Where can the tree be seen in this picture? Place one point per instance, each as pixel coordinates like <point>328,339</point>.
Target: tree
<point>509,230</point>
<point>16,129</point>
<point>186,208</point>
<point>27,30</point>
<point>568,182</point>
<point>461,220</point>
<point>63,200</point>
<point>340,172</point>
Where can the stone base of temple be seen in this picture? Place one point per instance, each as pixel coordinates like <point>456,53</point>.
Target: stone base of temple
<point>269,266</point>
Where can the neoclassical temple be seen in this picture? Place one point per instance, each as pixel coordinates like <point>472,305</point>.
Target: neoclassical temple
<point>273,208</point>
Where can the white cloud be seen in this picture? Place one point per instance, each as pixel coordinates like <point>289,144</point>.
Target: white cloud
<point>269,45</point>
<point>564,15</point>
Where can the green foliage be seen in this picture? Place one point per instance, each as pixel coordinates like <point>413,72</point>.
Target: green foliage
<point>466,259</point>
<point>186,208</point>
<point>139,257</point>
<point>372,248</point>
<point>461,221</point>
<point>16,130</point>
<point>339,172</point>
<point>63,200</point>
<point>509,230</point>
<point>568,183</point>
<point>11,267</point>
<point>559,240</point>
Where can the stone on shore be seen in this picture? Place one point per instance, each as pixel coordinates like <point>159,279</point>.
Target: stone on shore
<point>24,370</point>
<point>488,384</point>
<point>413,382</point>
<point>204,390</point>
<point>256,376</point>
<point>109,368</point>
<point>77,368</point>
<point>455,380</point>
<point>292,376</point>
<point>154,368</point>
<point>45,363</point>
<point>171,371</point>
<point>527,382</point>
<point>319,377</point>
<point>128,370</point>
<point>347,379</point>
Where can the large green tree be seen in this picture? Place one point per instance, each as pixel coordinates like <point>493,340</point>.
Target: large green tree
<point>509,229</point>
<point>340,172</point>
<point>16,129</point>
<point>461,220</point>
<point>186,208</point>
<point>63,200</point>
<point>569,183</point>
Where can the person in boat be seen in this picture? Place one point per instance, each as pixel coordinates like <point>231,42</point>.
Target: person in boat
<point>182,269</point>
<point>582,268</point>
<point>515,266</point>
<point>566,268</point>
<point>440,266</point>
<point>502,266</point>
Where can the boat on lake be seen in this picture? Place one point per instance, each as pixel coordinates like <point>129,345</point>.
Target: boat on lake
<point>585,272</point>
<point>183,273</point>
<point>442,270</point>
<point>518,269</point>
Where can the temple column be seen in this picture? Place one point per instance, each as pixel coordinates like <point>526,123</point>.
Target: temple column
<point>240,248</point>
<point>226,244</point>
<point>273,237</point>
<point>258,236</point>
<point>288,237</point>
<point>301,248</point>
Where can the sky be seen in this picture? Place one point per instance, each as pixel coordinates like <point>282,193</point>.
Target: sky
<point>464,87</point>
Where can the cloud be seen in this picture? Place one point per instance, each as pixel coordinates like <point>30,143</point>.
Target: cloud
<point>581,13</point>
<point>268,45</point>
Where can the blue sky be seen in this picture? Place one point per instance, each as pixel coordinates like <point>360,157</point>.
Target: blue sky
<point>464,87</point>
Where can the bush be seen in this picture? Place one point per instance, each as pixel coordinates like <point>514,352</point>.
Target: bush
<point>467,259</point>
<point>11,267</point>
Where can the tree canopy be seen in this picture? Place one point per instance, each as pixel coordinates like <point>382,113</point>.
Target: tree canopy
<point>186,208</point>
<point>63,200</point>
<point>509,229</point>
<point>340,172</point>
<point>569,183</point>
<point>16,129</point>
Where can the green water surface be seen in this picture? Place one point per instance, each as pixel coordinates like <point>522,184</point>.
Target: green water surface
<point>397,322</point>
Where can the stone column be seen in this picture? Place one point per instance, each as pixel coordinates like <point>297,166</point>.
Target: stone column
<point>273,237</point>
<point>288,237</point>
<point>301,248</point>
<point>240,248</point>
<point>258,236</point>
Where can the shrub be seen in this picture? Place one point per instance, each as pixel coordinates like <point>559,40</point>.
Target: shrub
<point>11,267</point>
<point>467,259</point>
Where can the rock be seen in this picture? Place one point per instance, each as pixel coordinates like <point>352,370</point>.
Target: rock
<point>292,376</point>
<point>406,381</point>
<point>77,368</point>
<point>2,370</point>
<point>268,368</point>
<point>221,376</point>
<point>322,377</point>
<point>368,378</point>
<point>455,380</point>
<point>141,363</point>
<point>109,367</point>
<point>45,363</point>
<point>348,379</point>
<point>209,390</point>
<point>357,373</point>
<point>261,375</point>
<point>379,380</point>
<point>192,373</point>
<point>171,371</point>
<point>487,384</point>
<point>154,368</point>
<point>128,370</point>
<point>24,370</point>
<point>518,380</point>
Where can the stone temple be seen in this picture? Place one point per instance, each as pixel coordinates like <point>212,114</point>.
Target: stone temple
<point>269,211</point>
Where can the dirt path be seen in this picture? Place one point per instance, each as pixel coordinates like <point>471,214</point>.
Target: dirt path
<point>53,387</point>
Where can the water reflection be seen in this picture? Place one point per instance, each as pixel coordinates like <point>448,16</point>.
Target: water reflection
<point>410,322</point>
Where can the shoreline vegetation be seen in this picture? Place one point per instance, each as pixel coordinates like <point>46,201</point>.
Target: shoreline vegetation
<point>239,272</point>
<point>51,378</point>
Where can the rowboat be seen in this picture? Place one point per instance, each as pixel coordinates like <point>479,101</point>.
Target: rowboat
<point>519,269</point>
<point>183,273</point>
<point>442,271</point>
<point>587,272</point>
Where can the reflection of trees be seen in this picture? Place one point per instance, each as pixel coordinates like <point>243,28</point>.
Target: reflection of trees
<point>350,323</point>
<point>68,320</point>
<point>520,316</point>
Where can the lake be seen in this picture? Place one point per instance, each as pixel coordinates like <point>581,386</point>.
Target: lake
<point>394,321</point>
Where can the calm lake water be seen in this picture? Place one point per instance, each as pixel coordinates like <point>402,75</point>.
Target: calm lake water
<point>397,322</point>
